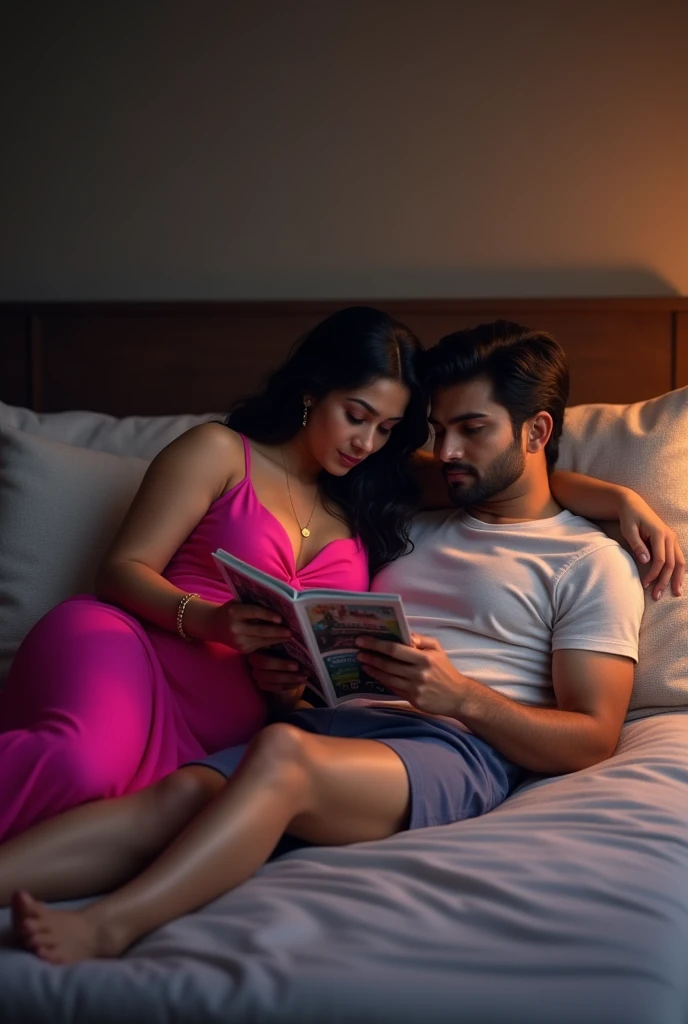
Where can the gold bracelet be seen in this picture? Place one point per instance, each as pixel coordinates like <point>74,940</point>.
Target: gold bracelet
<point>180,615</point>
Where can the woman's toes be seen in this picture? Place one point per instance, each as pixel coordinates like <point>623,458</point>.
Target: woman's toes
<point>38,938</point>
<point>24,905</point>
<point>26,914</point>
<point>50,954</point>
<point>61,936</point>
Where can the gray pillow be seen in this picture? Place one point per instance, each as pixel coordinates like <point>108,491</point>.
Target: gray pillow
<point>644,446</point>
<point>143,436</point>
<point>59,508</point>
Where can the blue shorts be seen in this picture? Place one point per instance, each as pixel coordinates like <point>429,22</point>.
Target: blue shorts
<point>452,773</point>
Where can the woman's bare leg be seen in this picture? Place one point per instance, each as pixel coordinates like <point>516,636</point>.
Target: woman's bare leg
<point>95,847</point>
<point>320,788</point>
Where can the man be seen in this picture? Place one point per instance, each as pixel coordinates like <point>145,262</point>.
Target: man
<point>533,614</point>
<point>528,622</point>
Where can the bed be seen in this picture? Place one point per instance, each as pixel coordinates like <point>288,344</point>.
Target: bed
<point>569,903</point>
<point>566,904</point>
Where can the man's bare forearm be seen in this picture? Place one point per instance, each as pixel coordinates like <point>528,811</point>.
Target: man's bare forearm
<point>587,496</point>
<point>543,740</point>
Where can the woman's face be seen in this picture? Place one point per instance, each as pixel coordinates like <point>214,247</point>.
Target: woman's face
<point>346,427</point>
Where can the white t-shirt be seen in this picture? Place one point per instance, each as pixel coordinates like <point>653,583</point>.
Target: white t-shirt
<point>501,598</point>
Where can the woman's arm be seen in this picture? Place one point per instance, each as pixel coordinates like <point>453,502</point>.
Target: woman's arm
<point>177,490</point>
<point>650,539</point>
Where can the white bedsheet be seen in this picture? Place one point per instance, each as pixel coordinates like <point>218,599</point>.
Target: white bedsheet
<point>568,904</point>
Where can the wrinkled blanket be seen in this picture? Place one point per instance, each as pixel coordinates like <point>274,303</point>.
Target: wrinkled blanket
<point>568,904</point>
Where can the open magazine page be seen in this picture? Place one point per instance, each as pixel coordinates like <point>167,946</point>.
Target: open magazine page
<point>250,591</point>
<point>335,624</point>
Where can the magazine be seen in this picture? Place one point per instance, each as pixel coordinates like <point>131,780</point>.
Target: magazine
<point>324,625</point>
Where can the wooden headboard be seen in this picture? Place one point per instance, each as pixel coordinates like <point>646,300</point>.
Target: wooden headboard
<point>166,357</point>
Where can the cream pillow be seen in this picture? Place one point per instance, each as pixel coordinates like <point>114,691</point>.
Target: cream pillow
<point>59,507</point>
<point>143,436</point>
<point>644,446</point>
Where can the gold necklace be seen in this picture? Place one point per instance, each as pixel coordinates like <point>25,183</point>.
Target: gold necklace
<point>305,532</point>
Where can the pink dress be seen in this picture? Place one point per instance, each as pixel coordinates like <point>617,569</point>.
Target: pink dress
<point>98,703</point>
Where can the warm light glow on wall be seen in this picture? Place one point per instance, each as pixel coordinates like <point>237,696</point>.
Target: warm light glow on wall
<point>453,150</point>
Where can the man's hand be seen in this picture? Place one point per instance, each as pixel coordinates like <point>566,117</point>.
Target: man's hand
<point>651,539</point>
<point>422,674</point>
<point>653,543</point>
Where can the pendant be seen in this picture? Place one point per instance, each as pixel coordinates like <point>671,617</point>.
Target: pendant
<point>305,532</point>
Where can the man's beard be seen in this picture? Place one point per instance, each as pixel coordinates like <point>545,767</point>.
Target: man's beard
<point>502,472</point>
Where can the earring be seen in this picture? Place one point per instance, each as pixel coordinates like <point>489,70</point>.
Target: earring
<point>306,407</point>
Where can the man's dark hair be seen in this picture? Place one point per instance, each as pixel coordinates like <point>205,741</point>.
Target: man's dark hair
<point>528,371</point>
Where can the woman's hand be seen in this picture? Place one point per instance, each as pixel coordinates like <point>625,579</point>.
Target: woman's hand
<point>651,540</point>
<point>246,627</point>
<point>282,681</point>
<point>277,675</point>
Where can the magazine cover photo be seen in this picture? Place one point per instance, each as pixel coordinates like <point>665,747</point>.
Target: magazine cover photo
<point>335,628</point>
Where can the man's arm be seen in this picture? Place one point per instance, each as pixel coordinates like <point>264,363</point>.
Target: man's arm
<point>592,691</point>
<point>650,539</point>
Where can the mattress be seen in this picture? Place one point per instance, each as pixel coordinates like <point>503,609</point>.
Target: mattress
<point>567,904</point>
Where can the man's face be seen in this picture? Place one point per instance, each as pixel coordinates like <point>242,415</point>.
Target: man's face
<point>474,439</point>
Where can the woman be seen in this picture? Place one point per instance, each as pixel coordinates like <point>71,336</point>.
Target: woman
<point>309,480</point>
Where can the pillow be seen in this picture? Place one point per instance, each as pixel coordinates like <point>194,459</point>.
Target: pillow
<point>644,446</point>
<point>143,436</point>
<point>59,507</point>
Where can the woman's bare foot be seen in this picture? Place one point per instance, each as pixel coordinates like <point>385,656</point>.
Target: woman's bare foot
<point>62,936</point>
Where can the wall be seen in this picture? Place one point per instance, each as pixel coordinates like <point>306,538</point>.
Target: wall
<point>339,149</point>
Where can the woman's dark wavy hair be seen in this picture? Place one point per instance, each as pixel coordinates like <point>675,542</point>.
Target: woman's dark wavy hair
<point>528,370</point>
<point>349,350</point>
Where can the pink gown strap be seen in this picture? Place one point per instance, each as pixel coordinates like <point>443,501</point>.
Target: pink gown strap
<point>247,455</point>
